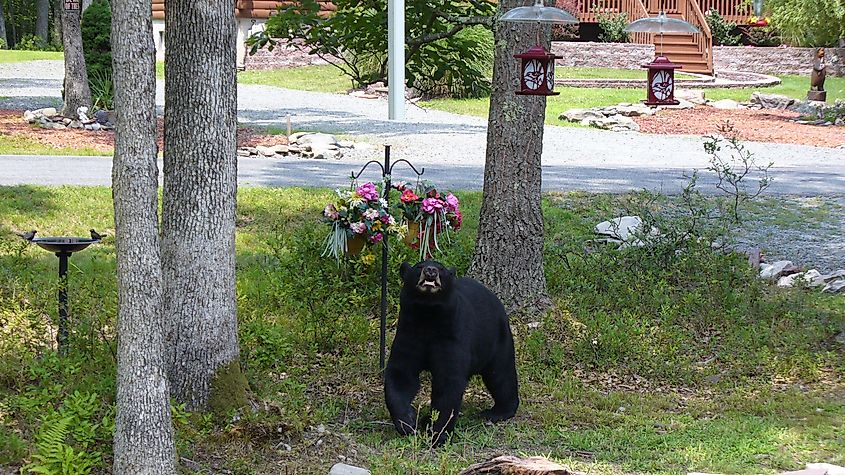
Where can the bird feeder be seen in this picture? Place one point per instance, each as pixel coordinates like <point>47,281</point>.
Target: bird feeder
<point>537,74</point>
<point>661,82</point>
<point>537,71</point>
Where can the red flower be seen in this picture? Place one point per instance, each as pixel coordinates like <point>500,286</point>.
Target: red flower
<point>409,196</point>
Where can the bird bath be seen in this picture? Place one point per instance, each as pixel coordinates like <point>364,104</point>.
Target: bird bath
<point>63,247</point>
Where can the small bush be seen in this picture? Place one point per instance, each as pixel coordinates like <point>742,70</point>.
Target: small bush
<point>613,28</point>
<point>96,45</point>
<point>33,43</point>
<point>766,36</point>
<point>721,29</point>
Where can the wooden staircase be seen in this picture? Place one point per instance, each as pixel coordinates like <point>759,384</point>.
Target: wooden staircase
<point>694,52</point>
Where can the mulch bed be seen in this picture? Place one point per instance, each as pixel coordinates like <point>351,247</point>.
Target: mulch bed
<point>12,123</point>
<point>754,125</point>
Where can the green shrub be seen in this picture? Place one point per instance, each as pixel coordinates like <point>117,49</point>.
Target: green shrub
<point>765,36</point>
<point>809,22</point>
<point>33,43</point>
<point>613,28</point>
<point>96,45</point>
<point>721,29</point>
<point>443,54</point>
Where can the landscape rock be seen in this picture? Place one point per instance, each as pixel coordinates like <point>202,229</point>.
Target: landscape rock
<point>813,278</point>
<point>808,471</point>
<point>790,280</point>
<point>265,151</point>
<point>75,124</point>
<point>578,115</point>
<point>829,467</point>
<point>30,116</point>
<point>620,228</point>
<point>681,105</point>
<point>49,112</point>
<point>726,104</point>
<point>837,286</point>
<point>279,149</point>
<point>311,138</point>
<point>694,96</point>
<point>343,469</point>
<point>777,270</point>
<point>772,101</point>
<point>242,152</point>
<point>833,276</point>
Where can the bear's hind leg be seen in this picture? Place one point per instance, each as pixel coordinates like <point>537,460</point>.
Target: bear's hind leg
<point>501,380</point>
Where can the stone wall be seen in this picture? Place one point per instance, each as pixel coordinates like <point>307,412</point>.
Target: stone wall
<point>284,55</point>
<point>776,60</point>
<point>602,55</point>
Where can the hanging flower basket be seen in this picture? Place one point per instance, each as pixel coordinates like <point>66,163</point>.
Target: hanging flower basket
<point>358,217</point>
<point>431,217</point>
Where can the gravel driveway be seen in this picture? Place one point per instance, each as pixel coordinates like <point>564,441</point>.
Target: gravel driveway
<point>453,148</point>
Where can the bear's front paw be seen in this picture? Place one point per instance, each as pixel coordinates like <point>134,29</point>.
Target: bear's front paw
<point>495,417</point>
<point>406,425</point>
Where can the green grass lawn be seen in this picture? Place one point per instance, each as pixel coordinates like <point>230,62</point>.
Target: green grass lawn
<point>649,362</point>
<point>17,56</point>
<point>322,78</point>
<point>18,145</point>
<point>327,78</point>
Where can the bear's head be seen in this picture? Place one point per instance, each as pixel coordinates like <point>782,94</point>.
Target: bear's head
<point>427,279</point>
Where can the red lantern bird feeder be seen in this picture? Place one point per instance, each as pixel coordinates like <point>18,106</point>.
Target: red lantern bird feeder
<point>537,74</point>
<point>661,82</point>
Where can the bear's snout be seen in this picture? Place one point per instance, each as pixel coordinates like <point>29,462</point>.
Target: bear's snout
<point>429,279</point>
<point>430,272</point>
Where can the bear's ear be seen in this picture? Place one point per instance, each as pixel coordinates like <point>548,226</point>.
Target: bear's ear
<point>454,271</point>
<point>404,268</point>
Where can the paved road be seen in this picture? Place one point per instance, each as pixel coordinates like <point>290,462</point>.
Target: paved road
<point>451,146</point>
<point>50,170</point>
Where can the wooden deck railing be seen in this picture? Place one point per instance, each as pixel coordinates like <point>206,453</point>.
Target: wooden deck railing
<point>690,11</point>
<point>589,11</point>
<point>736,11</point>
<point>731,10</point>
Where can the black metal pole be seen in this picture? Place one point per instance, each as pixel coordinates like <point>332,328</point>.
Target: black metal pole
<point>383,322</point>
<point>61,339</point>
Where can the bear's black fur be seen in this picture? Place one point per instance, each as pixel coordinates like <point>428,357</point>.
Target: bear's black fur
<point>454,328</point>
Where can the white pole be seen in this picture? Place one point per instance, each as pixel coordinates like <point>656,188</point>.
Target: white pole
<point>396,59</point>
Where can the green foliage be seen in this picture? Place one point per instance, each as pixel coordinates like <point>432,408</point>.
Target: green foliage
<point>442,55</point>
<point>721,29</point>
<point>613,27</point>
<point>102,89</point>
<point>809,22</point>
<point>34,43</point>
<point>96,46</point>
<point>764,36</point>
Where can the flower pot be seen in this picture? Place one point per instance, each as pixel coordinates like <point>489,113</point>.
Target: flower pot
<point>413,232</point>
<point>355,245</point>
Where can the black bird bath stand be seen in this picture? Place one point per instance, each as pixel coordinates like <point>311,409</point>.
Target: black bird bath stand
<point>63,247</point>
<point>386,171</point>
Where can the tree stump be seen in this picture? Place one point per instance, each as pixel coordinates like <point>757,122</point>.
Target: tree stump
<point>510,465</point>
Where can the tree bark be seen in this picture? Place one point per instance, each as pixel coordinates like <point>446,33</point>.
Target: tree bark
<point>200,186</point>
<point>143,436</point>
<point>76,90</point>
<point>3,27</point>
<point>41,20</point>
<point>509,248</point>
<point>57,20</point>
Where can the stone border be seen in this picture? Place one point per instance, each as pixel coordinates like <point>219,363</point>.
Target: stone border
<point>723,79</point>
<point>777,59</point>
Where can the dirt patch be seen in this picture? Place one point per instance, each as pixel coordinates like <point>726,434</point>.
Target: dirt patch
<point>755,125</point>
<point>12,123</point>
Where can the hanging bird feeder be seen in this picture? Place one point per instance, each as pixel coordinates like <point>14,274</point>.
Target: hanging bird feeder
<point>537,68</point>
<point>661,71</point>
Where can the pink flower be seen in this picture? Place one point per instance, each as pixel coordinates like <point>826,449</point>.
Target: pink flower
<point>371,214</point>
<point>358,228</point>
<point>386,219</point>
<point>330,211</point>
<point>367,191</point>
<point>409,197</point>
<point>377,237</point>
<point>452,202</point>
<point>431,205</point>
<point>457,220</point>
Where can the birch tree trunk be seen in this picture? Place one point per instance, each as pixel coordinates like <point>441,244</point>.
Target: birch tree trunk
<point>41,20</point>
<point>76,90</point>
<point>200,186</point>
<point>143,436</point>
<point>509,249</point>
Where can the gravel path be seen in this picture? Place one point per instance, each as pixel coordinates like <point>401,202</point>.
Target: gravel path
<point>452,148</point>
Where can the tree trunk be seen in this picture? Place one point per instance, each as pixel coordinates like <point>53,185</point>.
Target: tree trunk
<point>76,90</point>
<point>509,249</point>
<point>3,27</point>
<point>41,20</point>
<point>57,20</point>
<point>200,186</point>
<point>13,40</point>
<point>143,436</point>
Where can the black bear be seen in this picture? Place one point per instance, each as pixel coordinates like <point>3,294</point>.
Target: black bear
<point>454,328</point>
